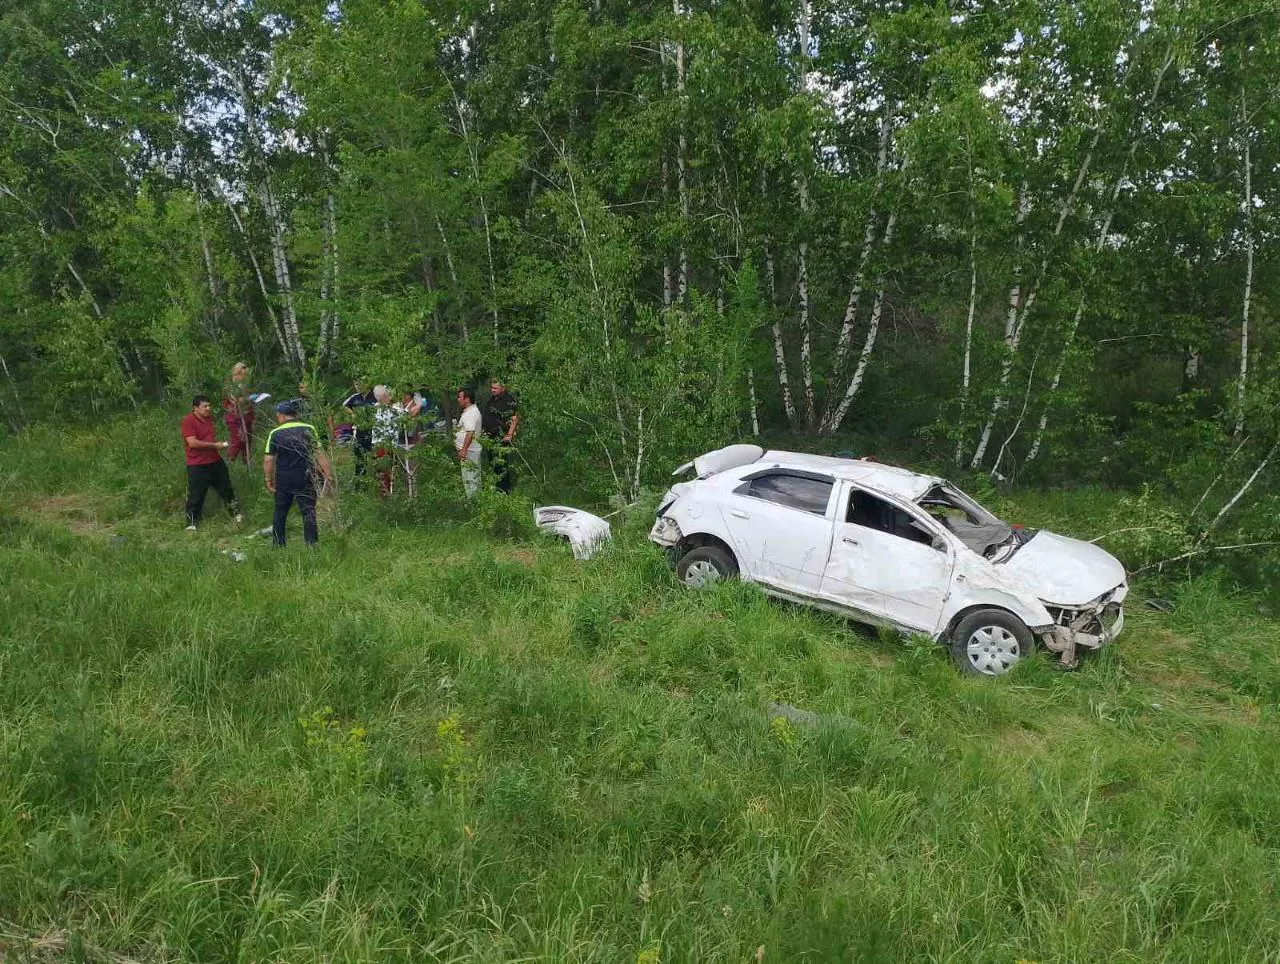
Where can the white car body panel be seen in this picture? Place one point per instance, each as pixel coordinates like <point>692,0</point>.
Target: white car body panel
<point>1066,571</point>
<point>778,545</point>
<point>905,583</point>
<point>1049,582</point>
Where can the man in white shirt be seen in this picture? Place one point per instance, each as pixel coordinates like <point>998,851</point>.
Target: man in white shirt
<point>385,425</point>
<point>467,441</point>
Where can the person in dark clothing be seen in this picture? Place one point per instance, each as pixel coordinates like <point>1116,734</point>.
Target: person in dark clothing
<point>360,405</point>
<point>205,468</point>
<point>293,455</point>
<point>501,419</point>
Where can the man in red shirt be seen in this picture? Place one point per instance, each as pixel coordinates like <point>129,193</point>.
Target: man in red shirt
<point>205,467</point>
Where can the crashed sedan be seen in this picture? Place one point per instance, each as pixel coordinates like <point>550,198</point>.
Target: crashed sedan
<point>892,547</point>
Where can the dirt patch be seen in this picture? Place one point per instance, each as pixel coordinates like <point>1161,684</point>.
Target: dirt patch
<point>72,511</point>
<point>1022,740</point>
<point>1181,679</point>
<point>526,557</point>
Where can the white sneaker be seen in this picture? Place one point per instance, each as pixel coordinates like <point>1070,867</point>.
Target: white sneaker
<point>191,528</point>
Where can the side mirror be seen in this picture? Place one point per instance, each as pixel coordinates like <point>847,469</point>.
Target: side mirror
<point>939,543</point>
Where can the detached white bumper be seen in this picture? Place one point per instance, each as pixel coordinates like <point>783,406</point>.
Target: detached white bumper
<point>585,532</point>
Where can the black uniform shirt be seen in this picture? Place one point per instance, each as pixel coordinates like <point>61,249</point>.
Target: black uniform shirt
<point>293,444</point>
<point>498,412</point>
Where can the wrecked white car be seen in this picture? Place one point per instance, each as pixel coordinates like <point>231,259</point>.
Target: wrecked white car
<point>892,547</point>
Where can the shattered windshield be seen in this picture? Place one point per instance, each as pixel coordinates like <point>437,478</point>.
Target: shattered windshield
<point>969,522</point>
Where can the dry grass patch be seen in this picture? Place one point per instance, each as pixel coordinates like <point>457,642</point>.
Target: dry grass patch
<point>74,512</point>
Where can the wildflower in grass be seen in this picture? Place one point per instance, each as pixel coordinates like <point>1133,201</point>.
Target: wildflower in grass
<point>783,731</point>
<point>328,737</point>
<point>453,747</point>
<point>650,955</point>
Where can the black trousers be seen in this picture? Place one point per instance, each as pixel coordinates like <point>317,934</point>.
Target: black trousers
<point>293,488</point>
<point>200,478</point>
<point>362,445</point>
<point>500,459</point>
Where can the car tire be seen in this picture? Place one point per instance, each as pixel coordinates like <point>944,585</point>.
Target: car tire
<point>990,642</point>
<point>704,565</point>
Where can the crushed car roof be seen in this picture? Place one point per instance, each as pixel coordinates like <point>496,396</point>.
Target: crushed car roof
<point>889,479</point>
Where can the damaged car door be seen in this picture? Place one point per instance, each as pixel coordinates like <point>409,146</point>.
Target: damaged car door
<point>888,562</point>
<point>779,524</point>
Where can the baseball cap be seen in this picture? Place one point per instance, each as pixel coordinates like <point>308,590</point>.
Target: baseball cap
<point>287,408</point>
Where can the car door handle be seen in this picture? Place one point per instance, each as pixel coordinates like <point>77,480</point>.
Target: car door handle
<point>738,514</point>
<point>848,541</point>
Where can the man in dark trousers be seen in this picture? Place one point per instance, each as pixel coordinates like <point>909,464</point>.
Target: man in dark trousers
<point>360,405</point>
<point>205,467</point>
<point>293,454</point>
<point>501,419</point>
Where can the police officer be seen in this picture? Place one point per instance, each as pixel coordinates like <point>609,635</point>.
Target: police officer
<point>293,455</point>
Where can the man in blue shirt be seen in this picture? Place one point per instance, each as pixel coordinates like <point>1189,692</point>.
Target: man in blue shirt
<point>293,455</point>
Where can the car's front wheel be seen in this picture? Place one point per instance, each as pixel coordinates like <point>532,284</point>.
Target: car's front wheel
<point>705,565</point>
<point>990,642</point>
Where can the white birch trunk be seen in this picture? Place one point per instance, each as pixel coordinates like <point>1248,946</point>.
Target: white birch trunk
<point>262,283</point>
<point>1243,377</point>
<point>97,308</point>
<point>211,277</point>
<point>968,329</point>
<point>682,185</point>
<point>1103,234</point>
<point>453,274</point>
<point>802,266</point>
<point>779,349</point>
<point>873,329</point>
<point>474,157</point>
<point>868,242</point>
<point>601,301</point>
<point>280,261</point>
<point>1017,318</point>
<point>1240,492</point>
<point>668,276</point>
<point>635,478</point>
<point>1026,400</point>
<point>322,347</point>
<point>755,408</point>
<point>335,280</point>
<point>21,421</point>
<point>806,346</point>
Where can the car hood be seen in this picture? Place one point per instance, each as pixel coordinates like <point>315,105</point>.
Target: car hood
<point>1065,571</point>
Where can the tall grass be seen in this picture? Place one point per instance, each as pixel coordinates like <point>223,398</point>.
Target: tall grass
<point>423,742</point>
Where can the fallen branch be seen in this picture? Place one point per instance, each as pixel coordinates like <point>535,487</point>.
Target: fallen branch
<point>1201,552</point>
<point>1116,532</point>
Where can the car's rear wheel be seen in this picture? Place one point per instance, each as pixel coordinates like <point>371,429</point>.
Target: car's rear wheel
<point>990,642</point>
<point>706,565</point>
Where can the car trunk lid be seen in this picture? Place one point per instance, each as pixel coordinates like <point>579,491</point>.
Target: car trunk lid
<point>719,460</point>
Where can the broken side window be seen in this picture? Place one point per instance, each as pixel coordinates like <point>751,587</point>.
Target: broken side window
<point>806,493</point>
<point>870,512</point>
<point>971,523</point>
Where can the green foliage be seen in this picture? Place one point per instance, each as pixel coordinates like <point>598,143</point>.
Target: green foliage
<point>416,741</point>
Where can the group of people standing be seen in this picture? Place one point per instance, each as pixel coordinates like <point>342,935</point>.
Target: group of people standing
<point>295,460</point>
<point>398,427</point>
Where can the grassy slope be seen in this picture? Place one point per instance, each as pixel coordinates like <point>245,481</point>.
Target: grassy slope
<point>508,755</point>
